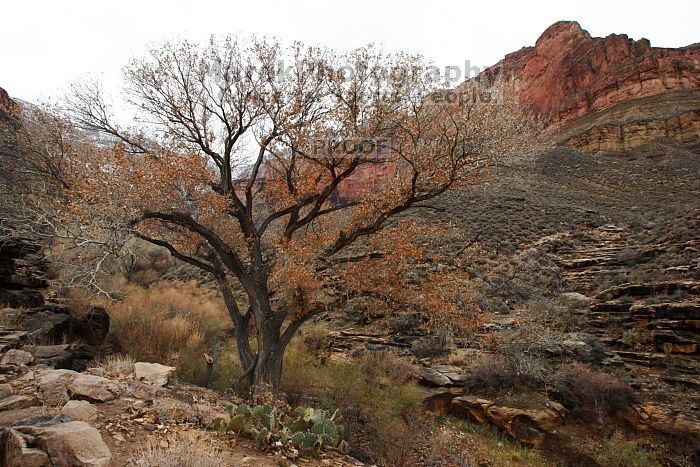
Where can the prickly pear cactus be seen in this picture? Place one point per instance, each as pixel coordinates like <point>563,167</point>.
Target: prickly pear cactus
<point>306,429</point>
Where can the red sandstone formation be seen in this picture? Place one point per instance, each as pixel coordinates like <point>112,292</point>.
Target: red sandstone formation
<point>7,105</point>
<point>569,74</point>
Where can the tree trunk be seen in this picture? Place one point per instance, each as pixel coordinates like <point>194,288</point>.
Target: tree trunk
<point>268,369</point>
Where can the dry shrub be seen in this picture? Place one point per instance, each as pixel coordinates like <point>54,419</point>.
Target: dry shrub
<point>374,393</point>
<point>497,373</point>
<point>590,394</point>
<point>115,363</point>
<point>170,323</point>
<point>315,337</point>
<point>186,452</point>
<point>620,452</point>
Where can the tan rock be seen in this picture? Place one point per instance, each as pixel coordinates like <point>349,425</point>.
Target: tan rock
<point>73,443</point>
<point>92,387</point>
<point>58,386</point>
<point>17,453</point>
<point>16,402</point>
<point>5,390</point>
<point>527,426</point>
<point>16,357</point>
<point>154,373</point>
<point>662,419</point>
<point>80,410</point>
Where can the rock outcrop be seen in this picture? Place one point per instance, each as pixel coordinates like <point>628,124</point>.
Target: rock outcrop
<point>53,441</point>
<point>528,426</point>
<point>590,91</point>
<point>7,105</point>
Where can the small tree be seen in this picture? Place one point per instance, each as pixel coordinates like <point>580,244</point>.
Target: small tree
<point>238,165</point>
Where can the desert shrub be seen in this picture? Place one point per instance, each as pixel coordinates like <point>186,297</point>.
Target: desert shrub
<point>406,323</point>
<point>459,442</point>
<point>227,371</point>
<point>373,392</point>
<point>315,337</point>
<point>498,373</point>
<point>116,363</point>
<point>618,452</point>
<point>148,265</point>
<point>182,453</point>
<point>188,321</point>
<point>590,394</point>
<point>431,346</point>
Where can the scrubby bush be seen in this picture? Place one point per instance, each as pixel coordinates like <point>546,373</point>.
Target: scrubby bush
<point>115,363</point>
<point>617,451</point>
<point>188,321</point>
<point>373,393</point>
<point>315,337</point>
<point>185,452</point>
<point>498,373</point>
<point>589,394</point>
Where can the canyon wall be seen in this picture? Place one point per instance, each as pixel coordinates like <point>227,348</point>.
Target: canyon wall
<point>569,75</point>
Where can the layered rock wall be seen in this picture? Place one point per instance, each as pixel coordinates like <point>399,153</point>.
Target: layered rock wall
<point>569,75</point>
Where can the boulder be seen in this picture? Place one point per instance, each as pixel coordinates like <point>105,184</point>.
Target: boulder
<point>16,401</point>
<point>153,373</point>
<point>432,377</point>
<point>576,298</point>
<point>53,441</point>
<point>58,386</point>
<point>528,426</point>
<point>441,375</point>
<point>80,410</point>
<point>11,338</point>
<point>16,357</point>
<point>57,356</point>
<point>5,390</point>
<point>16,451</point>
<point>663,419</point>
<point>47,325</point>
<point>92,387</point>
<point>52,386</point>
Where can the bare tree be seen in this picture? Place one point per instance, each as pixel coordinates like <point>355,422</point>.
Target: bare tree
<point>239,167</point>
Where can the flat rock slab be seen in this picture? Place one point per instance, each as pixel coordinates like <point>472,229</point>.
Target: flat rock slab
<point>80,410</point>
<point>59,386</point>
<point>441,375</point>
<point>73,443</point>
<point>16,402</point>
<point>154,373</point>
<point>16,357</point>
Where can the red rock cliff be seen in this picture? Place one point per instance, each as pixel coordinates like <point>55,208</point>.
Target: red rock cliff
<point>7,105</point>
<point>569,74</point>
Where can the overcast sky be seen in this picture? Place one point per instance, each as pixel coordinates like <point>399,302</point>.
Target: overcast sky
<point>46,44</point>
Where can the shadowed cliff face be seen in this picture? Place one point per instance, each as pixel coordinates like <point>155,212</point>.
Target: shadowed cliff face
<point>569,75</point>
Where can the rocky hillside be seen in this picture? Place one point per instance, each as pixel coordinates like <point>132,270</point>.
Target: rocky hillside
<point>594,93</point>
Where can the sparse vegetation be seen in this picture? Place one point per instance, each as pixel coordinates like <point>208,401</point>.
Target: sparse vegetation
<point>618,451</point>
<point>591,395</point>
<point>184,452</point>
<point>189,321</point>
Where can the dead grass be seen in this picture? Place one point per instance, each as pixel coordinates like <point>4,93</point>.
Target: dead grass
<point>169,323</point>
<point>457,442</point>
<point>186,452</point>
<point>379,403</point>
<point>591,395</point>
<point>116,363</point>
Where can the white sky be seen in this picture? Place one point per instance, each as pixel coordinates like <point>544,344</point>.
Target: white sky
<point>46,44</point>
